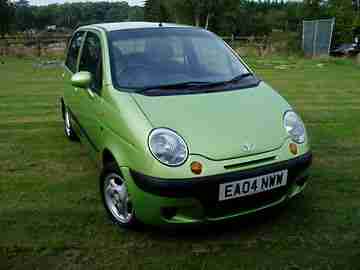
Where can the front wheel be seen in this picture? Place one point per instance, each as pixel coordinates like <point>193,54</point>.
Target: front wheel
<point>116,198</point>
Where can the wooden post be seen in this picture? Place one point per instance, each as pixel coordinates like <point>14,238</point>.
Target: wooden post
<point>7,47</point>
<point>39,47</point>
<point>2,45</point>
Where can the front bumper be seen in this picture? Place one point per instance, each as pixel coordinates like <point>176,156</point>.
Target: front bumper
<point>196,200</point>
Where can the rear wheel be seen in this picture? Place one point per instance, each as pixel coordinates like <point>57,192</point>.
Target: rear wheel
<point>116,198</point>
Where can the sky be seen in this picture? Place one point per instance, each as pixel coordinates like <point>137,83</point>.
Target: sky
<point>46,2</point>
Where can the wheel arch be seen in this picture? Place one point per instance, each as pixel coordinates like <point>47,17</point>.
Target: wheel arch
<point>108,157</point>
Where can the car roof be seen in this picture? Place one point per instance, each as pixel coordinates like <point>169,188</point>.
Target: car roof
<point>108,27</point>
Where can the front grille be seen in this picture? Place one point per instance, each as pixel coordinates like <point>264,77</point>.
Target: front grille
<point>248,163</point>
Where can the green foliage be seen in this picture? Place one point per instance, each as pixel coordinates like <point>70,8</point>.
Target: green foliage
<point>225,17</point>
<point>24,16</point>
<point>157,11</point>
<point>6,16</point>
<point>256,18</point>
<point>136,14</point>
<point>204,13</point>
<point>71,15</point>
<point>347,19</point>
<point>314,9</point>
<point>117,13</point>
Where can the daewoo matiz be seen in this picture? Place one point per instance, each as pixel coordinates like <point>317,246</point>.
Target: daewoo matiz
<point>183,130</point>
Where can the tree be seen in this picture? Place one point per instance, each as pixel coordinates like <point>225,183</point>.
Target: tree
<point>6,15</point>
<point>346,19</point>
<point>356,4</point>
<point>191,11</point>
<point>23,15</point>
<point>156,11</point>
<point>136,14</point>
<point>200,12</point>
<point>313,9</point>
<point>213,7</point>
<point>118,12</point>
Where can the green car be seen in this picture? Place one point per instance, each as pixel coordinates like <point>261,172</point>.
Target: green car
<point>183,130</point>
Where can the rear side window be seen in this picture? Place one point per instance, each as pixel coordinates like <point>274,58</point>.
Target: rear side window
<point>73,51</point>
<point>91,60</point>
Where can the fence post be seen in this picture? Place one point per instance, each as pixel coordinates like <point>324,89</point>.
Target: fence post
<point>315,37</point>
<point>2,46</point>
<point>38,47</point>
<point>269,44</point>
<point>331,34</point>
<point>303,36</point>
<point>5,47</point>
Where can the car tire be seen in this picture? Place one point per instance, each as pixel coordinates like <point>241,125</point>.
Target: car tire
<point>68,129</point>
<point>116,198</point>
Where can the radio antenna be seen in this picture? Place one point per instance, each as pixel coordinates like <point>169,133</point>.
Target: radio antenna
<point>160,17</point>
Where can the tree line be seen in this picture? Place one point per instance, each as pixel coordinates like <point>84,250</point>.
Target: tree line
<point>249,17</point>
<point>24,17</point>
<point>225,17</point>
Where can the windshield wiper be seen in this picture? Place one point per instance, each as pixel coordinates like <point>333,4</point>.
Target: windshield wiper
<point>233,80</point>
<point>238,78</point>
<point>176,85</point>
<point>194,84</point>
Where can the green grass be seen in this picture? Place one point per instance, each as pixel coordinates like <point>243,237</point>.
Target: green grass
<point>51,216</point>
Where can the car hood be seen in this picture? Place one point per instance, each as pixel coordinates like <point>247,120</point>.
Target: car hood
<point>221,125</point>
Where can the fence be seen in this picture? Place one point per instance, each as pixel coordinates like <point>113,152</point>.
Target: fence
<point>33,45</point>
<point>260,44</point>
<point>55,44</point>
<point>317,37</point>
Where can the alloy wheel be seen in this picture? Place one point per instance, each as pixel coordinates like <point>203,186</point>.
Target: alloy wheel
<point>117,198</point>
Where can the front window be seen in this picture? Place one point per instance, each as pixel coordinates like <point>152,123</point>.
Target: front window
<point>146,58</point>
<point>91,60</point>
<point>73,51</point>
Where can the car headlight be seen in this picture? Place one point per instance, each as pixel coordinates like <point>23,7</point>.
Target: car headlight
<point>294,127</point>
<point>168,147</point>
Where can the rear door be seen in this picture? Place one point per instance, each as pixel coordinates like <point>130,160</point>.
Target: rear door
<point>91,106</point>
<point>71,93</point>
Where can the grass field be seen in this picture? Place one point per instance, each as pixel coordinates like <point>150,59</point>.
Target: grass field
<point>51,216</point>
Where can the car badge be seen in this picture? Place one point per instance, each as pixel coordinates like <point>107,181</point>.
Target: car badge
<point>248,147</point>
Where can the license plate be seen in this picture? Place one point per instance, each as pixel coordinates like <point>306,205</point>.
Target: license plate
<point>253,185</point>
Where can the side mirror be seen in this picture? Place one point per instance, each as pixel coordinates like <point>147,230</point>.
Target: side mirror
<point>81,79</point>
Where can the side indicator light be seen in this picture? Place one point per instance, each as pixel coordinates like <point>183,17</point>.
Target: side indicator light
<point>196,167</point>
<point>293,148</point>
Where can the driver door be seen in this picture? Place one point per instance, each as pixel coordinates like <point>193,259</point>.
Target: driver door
<point>91,106</point>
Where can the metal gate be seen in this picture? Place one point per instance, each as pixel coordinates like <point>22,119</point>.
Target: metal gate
<point>317,37</point>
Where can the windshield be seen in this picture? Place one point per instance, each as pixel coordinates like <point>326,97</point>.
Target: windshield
<point>146,58</point>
